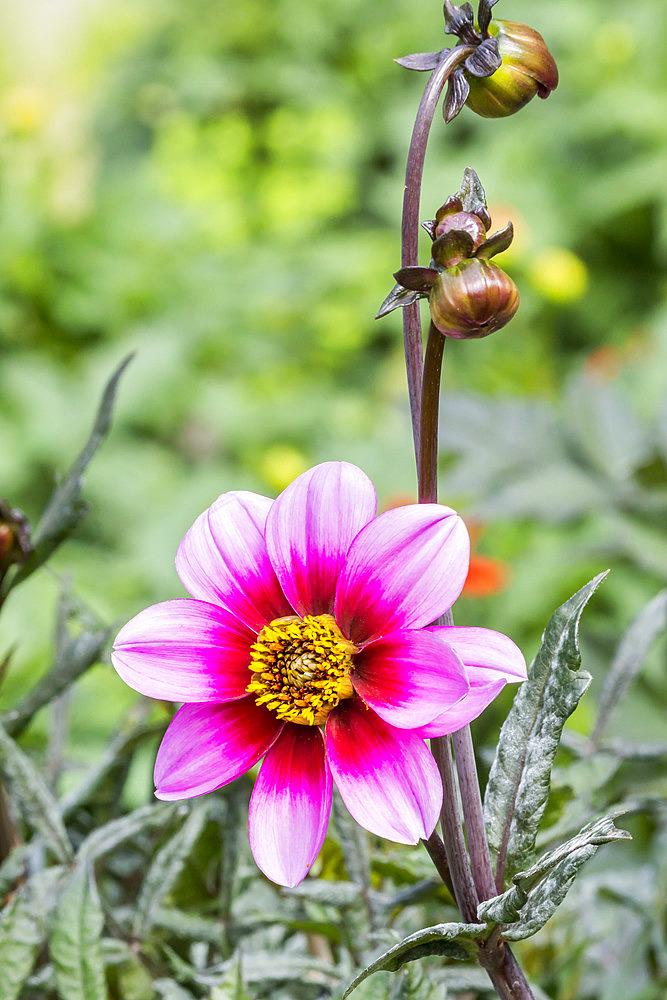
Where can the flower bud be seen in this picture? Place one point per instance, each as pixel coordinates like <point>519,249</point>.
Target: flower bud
<point>14,537</point>
<point>472,299</point>
<point>527,68</point>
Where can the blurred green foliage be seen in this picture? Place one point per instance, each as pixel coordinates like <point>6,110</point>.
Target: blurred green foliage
<point>218,186</point>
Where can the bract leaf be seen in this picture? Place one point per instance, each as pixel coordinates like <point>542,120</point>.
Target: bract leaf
<point>458,89</point>
<point>398,298</point>
<point>76,941</point>
<point>37,804</point>
<point>420,61</point>
<point>452,940</point>
<point>417,279</point>
<point>518,786</point>
<point>484,14</point>
<point>496,243</point>
<point>485,60</point>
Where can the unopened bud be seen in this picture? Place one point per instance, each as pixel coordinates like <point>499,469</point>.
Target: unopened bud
<point>472,299</point>
<point>14,537</point>
<point>527,68</point>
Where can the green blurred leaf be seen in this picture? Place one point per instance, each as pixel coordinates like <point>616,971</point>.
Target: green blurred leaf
<point>449,940</point>
<point>166,867</point>
<point>518,788</point>
<point>231,987</point>
<point>23,927</point>
<point>629,658</point>
<point>76,940</point>
<point>117,831</point>
<point>38,805</point>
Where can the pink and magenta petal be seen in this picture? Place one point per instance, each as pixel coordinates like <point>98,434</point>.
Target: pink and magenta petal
<point>465,711</point>
<point>403,570</point>
<point>491,660</point>
<point>290,805</point>
<point>387,777</point>
<point>223,559</point>
<point>185,651</point>
<point>207,746</point>
<point>408,677</point>
<point>485,652</point>
<point>310,528</point>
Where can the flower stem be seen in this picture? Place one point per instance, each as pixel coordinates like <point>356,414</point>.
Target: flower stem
<point>449,855</point>
<point>471,799</point>
<point>412,331</point>
<point>465,893</point>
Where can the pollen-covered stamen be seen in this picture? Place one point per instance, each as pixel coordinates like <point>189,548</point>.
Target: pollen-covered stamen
<point>301,668</point>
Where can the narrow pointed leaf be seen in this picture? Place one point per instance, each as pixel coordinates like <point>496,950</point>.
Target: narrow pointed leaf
<point>545,899</point>
<point>39,807</point>
<point>165,868</point>
<point>451,940</point>
<point>518,787</point>
<point>496,243</point>
<point>398,298</point>
<point>420,61</point>
<point>629,657</point>
<point>23,928</point>
<point>76,941</point>
<point>66,507</point>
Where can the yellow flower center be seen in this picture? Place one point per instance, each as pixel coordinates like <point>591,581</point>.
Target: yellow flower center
<point>301,668</point>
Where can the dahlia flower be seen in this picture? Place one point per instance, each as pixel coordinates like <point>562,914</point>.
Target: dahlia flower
<point>307,644</point>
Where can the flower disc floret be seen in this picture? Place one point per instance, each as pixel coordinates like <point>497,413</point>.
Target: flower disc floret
<point>301,668</point>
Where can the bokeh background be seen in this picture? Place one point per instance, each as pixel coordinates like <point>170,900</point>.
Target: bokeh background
<point>216,186</point>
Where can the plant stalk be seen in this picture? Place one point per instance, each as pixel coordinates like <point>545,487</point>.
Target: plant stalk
<point>412,331</point>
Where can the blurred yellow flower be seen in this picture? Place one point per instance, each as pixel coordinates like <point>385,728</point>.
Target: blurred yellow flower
<point>24,108</point>
<point>280,464</point>
<point>558,275</point>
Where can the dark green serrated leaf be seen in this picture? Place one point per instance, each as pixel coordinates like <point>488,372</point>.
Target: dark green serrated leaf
<point>451,940</point>
<point>40,809</point>
<point>76,940</point>
<point>629,658</point>
<point>117,831</point>
<point>545,899</point>
<point>23,928</point>
<point>166,867</point>
<point>66,508</point>
<point>540,890</point>
<point>518,786</point>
